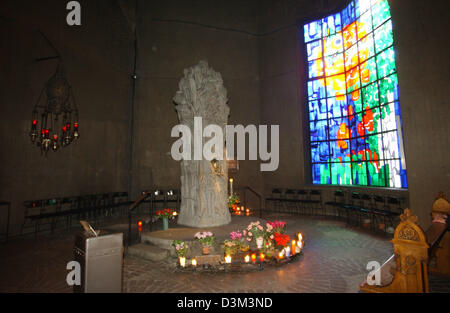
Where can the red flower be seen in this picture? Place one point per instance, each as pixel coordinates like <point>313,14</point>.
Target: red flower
<point>164,213</point>
<point>281,239</point>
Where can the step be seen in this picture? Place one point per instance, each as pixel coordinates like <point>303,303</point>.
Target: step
<point>148,252</point>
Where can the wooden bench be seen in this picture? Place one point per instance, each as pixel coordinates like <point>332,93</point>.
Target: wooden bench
<point>407,270</point>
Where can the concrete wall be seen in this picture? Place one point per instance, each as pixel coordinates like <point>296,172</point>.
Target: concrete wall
<point>97,59</point>
<point>254,45</point>
<point>422,63</point>
<point>174,35</point>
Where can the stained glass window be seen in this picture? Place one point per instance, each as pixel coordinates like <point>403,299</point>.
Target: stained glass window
<point>354,111</point>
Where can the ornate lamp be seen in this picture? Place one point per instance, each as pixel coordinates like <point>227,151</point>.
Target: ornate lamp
<point>55,115</point>
<point>216,167</point>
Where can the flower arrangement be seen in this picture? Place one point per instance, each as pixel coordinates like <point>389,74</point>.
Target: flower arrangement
<point>255,230</point>
<point>236,235</point>
<point>180,247</point>
<point>165,213</point>
<point>230,247</point>
<point>205,238</point>
<point>281,239</point>
<point>277,226</point>
<point>268,248</point>
<point>239,239</point>
<point>233,200</point>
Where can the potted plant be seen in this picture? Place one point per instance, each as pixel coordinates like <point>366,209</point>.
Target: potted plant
<point>256,230</point>
<point>206,239</point>
<point>233,201</point>
<point>245,241</point>
<point>165,214</point>
<point>268,248</point>
<point>230,247</point>
<point>181,249</point>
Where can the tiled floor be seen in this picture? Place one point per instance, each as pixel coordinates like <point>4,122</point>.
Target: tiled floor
<point>334,260</point>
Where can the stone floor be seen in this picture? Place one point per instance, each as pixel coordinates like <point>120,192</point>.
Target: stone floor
<point>334,260</point>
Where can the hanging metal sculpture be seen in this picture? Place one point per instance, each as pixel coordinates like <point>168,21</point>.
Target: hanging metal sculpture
<point>55,115</point>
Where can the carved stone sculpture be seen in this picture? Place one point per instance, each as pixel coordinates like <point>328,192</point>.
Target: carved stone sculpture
<point>203,182</point>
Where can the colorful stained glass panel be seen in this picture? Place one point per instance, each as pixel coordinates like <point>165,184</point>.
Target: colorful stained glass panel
<point>332,44</point>
<point>385,62</point>
<point>383,37</point>
<point>316,89</point>
<point>315,68</point>
<point>314,50</point>
<point>366,48</point>
<point>353,98</point>
<point>380,12</point>
<point>334,64</point>
<point>317,110</point>
<point>331,24</point>
<point>313,31</point>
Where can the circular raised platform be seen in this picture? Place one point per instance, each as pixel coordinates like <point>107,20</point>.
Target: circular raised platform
<point>164,239</point>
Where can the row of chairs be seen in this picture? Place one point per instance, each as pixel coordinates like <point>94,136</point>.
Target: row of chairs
<point>354,207</point>
<point>300,201</point>
<point>382,211</point>
<point>48,214</point>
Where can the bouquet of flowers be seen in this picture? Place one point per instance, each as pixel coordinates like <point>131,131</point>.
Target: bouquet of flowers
<point>255,230</point>
<point>180,247</point>
<point>236,235</point>
<point>233,200</point>
<point>277,226</point>
<point>205,238</point>
<point>281,239</point>
<point>165,213</point>
<point>238,238</point>
<point>230,247</point>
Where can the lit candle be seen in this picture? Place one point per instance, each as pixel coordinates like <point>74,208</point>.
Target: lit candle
<point>293,246</point>
<point>280,255</point>
<point>228,259</point>
<point>194,262</point>
<point>253,257</point>
<point>247,258</point>
<point>300,237</point>
<point>182,261</point>
<point>242,208</point>
<point>231,186</point>
<point>288,251</point>
<point>261,257</point>
<point>300,244</point>
<point>248,210</point>
<point>175,213</point>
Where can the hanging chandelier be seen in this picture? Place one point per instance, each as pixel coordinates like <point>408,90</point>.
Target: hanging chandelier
<point>55,115</point>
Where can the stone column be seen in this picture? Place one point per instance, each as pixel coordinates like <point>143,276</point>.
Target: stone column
<point>204,200</point>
